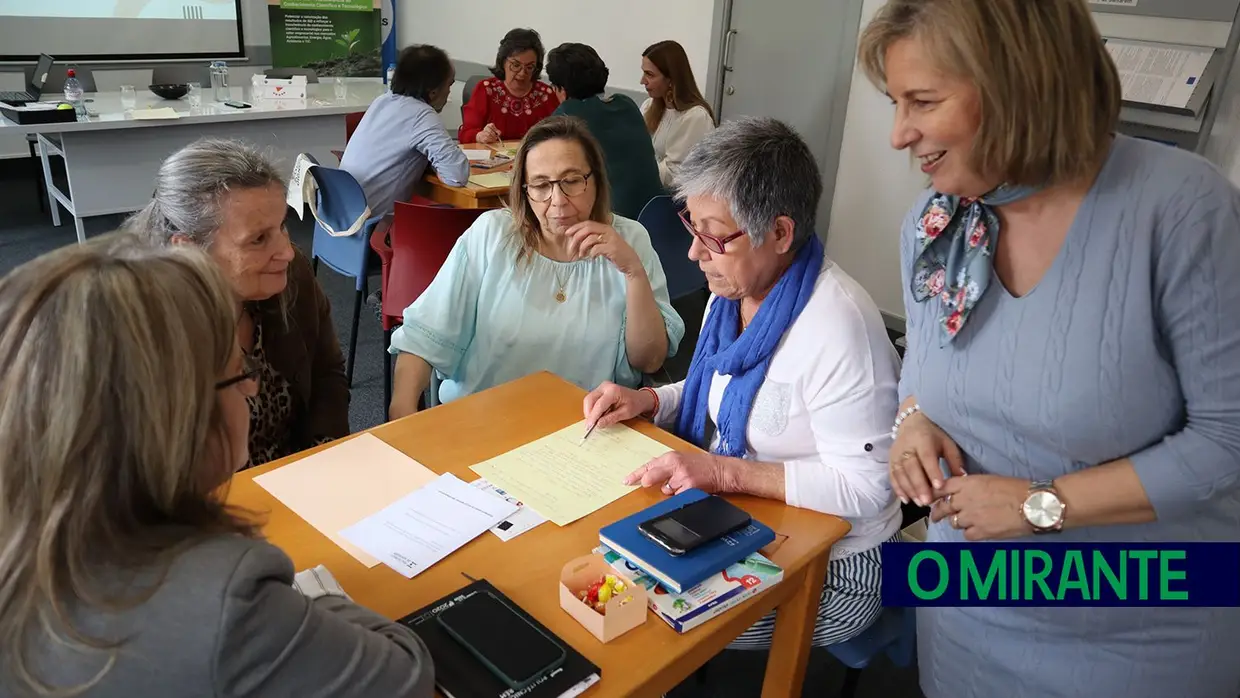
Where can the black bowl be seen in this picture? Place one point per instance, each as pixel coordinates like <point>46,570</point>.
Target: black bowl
<point>170,91</point>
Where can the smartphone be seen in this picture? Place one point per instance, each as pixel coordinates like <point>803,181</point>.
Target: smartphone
<point>236,105</point>
<point>513,648</point>
<point>681,530</point>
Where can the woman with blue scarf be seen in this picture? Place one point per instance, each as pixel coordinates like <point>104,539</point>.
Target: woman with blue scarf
<point>792,387</point>
<point>1073,345</point>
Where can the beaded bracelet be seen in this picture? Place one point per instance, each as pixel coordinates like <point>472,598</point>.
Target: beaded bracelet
<point>904,414</point>
<point>654,412</point>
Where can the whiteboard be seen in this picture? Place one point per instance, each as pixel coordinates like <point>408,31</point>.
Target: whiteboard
<point>471,29</point>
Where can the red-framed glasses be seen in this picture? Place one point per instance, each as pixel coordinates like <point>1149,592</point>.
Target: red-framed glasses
<point>711,242</point>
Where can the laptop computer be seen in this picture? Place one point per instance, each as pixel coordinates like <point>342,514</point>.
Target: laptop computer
<point>34,88</point>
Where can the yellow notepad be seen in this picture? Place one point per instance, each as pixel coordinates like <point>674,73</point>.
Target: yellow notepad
<point>492,180</point>
<point>564,479</point>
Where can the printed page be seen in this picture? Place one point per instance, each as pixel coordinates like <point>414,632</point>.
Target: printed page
<point>1159,74</point>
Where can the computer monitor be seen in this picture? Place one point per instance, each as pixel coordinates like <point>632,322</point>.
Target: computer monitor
<point>39,76</point>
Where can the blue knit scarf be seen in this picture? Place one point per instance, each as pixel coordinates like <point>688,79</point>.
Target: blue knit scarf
<point>745,357</point>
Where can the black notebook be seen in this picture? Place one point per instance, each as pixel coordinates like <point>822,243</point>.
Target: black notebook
<point>459,674</point>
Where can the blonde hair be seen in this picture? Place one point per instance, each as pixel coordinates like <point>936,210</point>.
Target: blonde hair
<point>1049,93</point>
<point>671,60</point>
<point>111,430</point>
<point>574,130</point>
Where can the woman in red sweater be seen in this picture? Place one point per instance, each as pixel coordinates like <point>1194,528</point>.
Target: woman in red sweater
<point>507,105</point>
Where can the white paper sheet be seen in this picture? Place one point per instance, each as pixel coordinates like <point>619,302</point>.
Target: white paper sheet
<point>477,154</point>
<point>428,524</point>
<point>523,520</point>
<point>1160,74</point>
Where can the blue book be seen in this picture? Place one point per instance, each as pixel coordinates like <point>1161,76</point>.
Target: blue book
<point>681,572</point>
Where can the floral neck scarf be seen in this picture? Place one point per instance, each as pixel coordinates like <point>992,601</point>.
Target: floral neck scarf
<point>954,252</point>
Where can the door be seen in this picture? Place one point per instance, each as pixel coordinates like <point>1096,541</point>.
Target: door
<point>792,60</point>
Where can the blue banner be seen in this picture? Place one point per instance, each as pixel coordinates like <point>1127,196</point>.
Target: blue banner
<point>1061,574</point>
<point>387,35</point>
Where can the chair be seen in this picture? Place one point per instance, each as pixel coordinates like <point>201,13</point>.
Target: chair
<point>893,634</point>
<point>340,201</point>
<point>286,73</point>
<point>467,90</point>
<point>181,74</point>
<point>671,242</point>
<point>420,239</point>
<point>351,122</point>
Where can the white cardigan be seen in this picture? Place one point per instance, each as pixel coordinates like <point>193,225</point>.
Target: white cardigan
<point>825,411</point>
<point>677,133</point>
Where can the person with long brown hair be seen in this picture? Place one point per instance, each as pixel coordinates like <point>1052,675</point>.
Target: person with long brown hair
<point>122,572</point>
<point>677,115</point>
<point>555,282</point>
<point>1073,345</point>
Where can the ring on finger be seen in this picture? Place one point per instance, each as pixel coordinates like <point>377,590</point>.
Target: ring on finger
<point>949,500</point>
<point>906,455</point>
<point>956,521</point>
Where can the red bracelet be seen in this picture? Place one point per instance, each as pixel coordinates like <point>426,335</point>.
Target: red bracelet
<point>655,411</point>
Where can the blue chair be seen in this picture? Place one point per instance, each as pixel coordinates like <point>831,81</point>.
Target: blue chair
<point>893,634</point>
<point>661,218</point>
<point>341,202</point>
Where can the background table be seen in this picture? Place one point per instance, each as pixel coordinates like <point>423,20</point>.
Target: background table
<point>111,160</point>
<point>646,661</point>
<point>471,195</point>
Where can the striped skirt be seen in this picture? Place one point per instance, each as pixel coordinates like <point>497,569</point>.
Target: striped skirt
<point>851,602</point>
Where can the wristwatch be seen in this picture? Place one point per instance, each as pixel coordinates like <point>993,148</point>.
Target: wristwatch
<point>1043,509</point>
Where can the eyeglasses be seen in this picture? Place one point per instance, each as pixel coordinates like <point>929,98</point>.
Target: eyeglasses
<point>711,242</point>
<point>572,185</point>
<point>519,67</point>
<point>249,372</point>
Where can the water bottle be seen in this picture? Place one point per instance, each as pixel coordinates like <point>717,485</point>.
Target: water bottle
<point>73,94</point>
<point>390,70</point>
<point>219,81</point>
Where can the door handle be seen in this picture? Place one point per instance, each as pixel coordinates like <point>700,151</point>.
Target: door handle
<point>727,50</point>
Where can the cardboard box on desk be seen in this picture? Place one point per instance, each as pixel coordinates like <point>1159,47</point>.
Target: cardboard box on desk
<point>276,88</point>
<point>624,611</point>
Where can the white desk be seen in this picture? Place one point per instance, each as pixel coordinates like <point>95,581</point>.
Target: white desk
<point>111,160</point>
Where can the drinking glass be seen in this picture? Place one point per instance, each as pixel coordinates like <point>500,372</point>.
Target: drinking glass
<point>129,97</point>
<point>342,89</point>
<point>194,96</point>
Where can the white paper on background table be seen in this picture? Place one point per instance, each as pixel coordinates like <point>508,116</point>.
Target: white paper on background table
<point>428,524</point>
<point>1165,75</point>
<point>477,154</point>
<point>523,520</point>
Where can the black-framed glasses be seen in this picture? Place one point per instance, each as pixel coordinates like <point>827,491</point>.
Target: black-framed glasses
<point>713,243</point>
<point>572,185</point>
<point>249,372</point>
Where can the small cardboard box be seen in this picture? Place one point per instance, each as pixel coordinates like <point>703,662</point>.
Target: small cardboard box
<point>625,611</point>
<point>276,88</point>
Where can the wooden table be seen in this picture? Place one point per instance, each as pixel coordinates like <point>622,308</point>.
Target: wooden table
<point>646,661</point>
<point>471,195</point>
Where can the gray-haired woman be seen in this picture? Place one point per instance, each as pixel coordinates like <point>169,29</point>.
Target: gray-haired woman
<point>228,198</point>
<point>793,366</point>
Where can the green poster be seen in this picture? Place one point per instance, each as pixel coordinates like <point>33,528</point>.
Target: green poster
<point>336,40</point>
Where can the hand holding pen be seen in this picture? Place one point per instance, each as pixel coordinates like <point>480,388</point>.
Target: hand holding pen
<point>611,404</point>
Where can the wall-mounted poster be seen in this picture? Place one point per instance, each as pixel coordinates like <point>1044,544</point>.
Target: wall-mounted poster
<point>335,38</point>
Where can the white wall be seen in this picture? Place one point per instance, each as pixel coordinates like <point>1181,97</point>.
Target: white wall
<point>471,29</point>
<point>875,187</point>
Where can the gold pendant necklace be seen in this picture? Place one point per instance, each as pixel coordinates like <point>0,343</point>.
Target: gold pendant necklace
<point>560,296</point>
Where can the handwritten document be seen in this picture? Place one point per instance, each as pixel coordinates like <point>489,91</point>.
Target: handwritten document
<point>491,180</point>
<point>428,524</point>
<point>564,479</point>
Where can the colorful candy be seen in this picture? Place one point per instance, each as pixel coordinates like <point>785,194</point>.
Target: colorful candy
<point>600,592</point>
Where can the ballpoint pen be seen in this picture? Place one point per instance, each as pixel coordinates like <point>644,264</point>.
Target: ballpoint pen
<point>590,429</point>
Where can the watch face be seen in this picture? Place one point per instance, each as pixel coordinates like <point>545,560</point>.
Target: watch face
<point>1043,509</point>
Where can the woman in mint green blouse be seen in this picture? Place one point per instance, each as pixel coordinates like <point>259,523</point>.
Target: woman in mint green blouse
<point>557,282</point>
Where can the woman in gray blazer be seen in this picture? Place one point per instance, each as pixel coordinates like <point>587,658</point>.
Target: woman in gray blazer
<point>122,412</point>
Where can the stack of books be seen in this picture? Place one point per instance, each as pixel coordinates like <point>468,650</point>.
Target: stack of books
<point>687,590</point>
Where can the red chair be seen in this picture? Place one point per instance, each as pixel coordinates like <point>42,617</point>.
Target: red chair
<point>350,125</point>
<point>417,244</point>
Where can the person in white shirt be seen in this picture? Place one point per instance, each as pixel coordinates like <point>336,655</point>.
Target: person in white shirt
<point>677,115</point>
<point>401,133</point>
<point>793,385</point>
